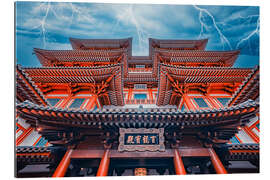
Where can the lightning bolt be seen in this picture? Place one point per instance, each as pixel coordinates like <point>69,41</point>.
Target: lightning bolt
<point>223,38</point>
<point>256,31</point>
<point>42,24</point>
<point>141,33</point>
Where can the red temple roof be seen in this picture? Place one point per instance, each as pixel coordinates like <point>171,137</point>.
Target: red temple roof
<point>202,76</point>
<point>248,90</point>
<point>176,44</point>
<point>79,57</point>
<point>92,44</point>
<point>26,89</point>
<point>82,77</point>
<point>201,58</point>
<point>225,121</point>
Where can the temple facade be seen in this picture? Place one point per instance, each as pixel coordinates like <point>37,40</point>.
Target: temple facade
<point>97,110</point>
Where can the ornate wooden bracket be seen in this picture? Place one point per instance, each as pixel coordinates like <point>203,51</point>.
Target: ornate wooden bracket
<point>174,138</point>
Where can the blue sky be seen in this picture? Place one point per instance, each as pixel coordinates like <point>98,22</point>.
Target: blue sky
<point>48,25</point>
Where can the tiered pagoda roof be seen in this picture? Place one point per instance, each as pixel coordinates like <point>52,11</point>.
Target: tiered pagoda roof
<point>248,90</point>
<point>176,79</point>
<point>91,79</point>
<point>176,44</point>
<point>197,58</point>
<point>26,88</point>
<point>102,44</point>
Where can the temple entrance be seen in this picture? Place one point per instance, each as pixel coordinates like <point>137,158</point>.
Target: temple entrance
<point>123,167</point>
<point>198,165</point>
<point>141,166</point>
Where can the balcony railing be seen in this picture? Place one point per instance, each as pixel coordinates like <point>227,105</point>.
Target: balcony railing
<point>140,101</point>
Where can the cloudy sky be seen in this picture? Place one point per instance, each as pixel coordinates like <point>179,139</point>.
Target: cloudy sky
<point>48,25</point>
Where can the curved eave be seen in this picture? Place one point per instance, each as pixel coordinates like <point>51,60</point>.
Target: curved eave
<point>205,71</point>
<point>192,44</point>
<point>82,43</point>
<point>235,115</point>
<point>83,75</point>
<point>71,71</point>
<point>51,57</point>
<point>37,155</point>
<point>248,90</point>
<point>241,152</point>
<point>208,58</point>
<point>30,90</point>
<point>195,75</point>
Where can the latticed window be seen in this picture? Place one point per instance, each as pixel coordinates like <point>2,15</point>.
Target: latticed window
<point>77,103</point>
<point>140,96</point>
<point>53,101</point>
<point>140,66</point>
<point>140,86</point>
<point>223,101</point>
<point>201,102</point>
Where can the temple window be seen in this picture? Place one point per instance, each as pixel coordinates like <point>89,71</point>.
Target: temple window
<point>140,96</point>
<point>201,103</point>
<point>53,101</point>
<point>140,86</point>
<point>140,66</point>
<point>77,103</point>
<point>223,101</point>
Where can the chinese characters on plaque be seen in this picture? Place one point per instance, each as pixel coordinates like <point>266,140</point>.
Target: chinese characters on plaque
<point>141,139</point>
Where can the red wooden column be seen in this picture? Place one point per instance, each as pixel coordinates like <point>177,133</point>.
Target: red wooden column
<point>63,165</point>
<point>178,163</point>
<point>150,94</point>
<point>104,164</point>
<point>220,169</point>
<point>129,93</point>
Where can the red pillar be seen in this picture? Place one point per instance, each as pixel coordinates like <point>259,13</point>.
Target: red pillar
<point>63,165</point>
<point>178,163</point>
<point>220,169</point>
<point>104,164</point>
<point>129,93</point>
<point>150,94</point>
